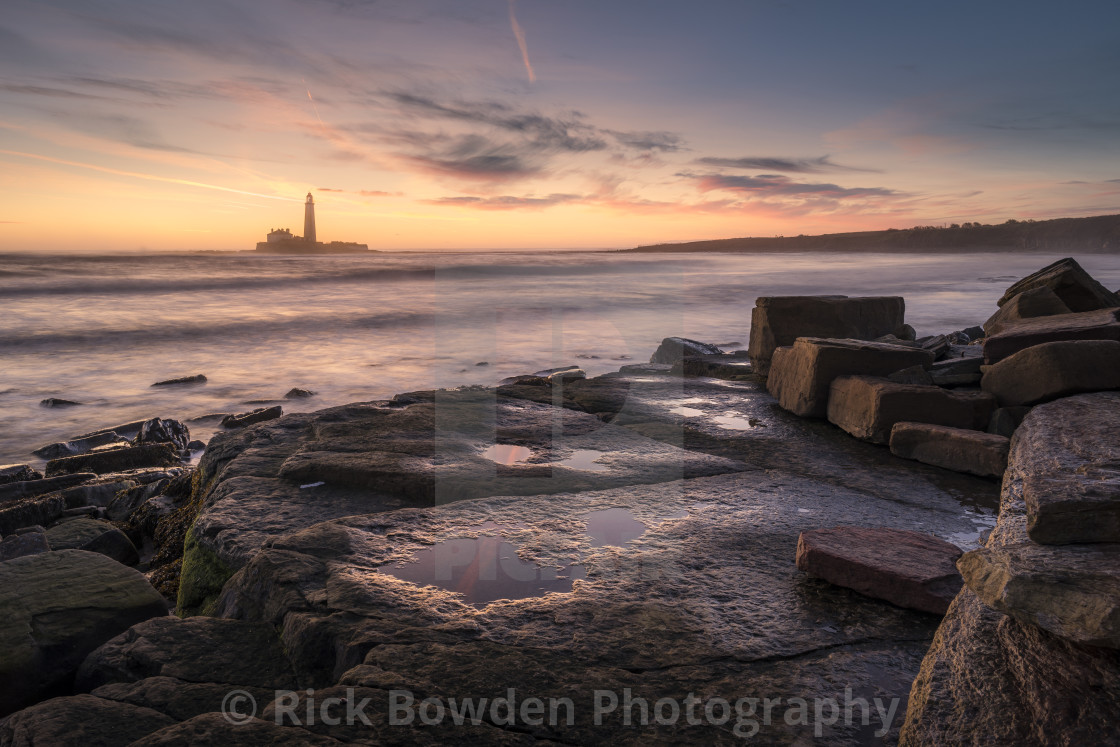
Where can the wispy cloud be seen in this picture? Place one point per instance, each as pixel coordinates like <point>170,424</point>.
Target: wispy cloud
<point>520,34</point>
<point>507,202</point>
<point>818,165</point>
<point>765,185</point>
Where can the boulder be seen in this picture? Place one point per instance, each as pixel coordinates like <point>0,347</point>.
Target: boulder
<point>24,543</point>
<point>196,649</point>
<point>124,430</point>
<point>249,418</point>
<point>1005,420</point>
<point>1070,283</point>
<point>800,376</point>
<point>722,366</point>
<point>958,449</point>
<point>82,720</point>
<point>196,379</point>
<point>912,375</point>
<point>672,349</point>
<point>1072,591</point>
<point>93,535</point>
<point>160,431</point>
<point>30,488</point>
<point>78,445</point>
<point>56,402</point>
<point>58,607</point>
<point>1066,454</point>
<point>906,568</point>
<point>1086,325</point>
<point>777,321</point>
<point>868,407</point>
<point>1040,301</point>
<point>18,473</point>
<point>989,679</point>
<point>939,345</point>
<point>1054,369</point>
<point>297,393</point>
<point>116,460</point>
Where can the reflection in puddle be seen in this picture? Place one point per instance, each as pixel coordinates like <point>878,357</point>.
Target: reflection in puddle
<point>735,422</point>
<point>507,453</point>
<point>613,526</point>
<point>688,412</point>
<point>584,459</point>
<point>483,570</point>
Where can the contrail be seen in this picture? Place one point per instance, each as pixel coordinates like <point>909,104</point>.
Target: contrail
<point>138,175</point>
<point>313,104</point>
<point>520,34</point>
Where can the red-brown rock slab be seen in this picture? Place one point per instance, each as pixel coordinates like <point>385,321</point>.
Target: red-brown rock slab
<point>909,569</point>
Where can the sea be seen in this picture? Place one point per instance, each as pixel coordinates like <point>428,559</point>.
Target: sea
<point>100,330</point>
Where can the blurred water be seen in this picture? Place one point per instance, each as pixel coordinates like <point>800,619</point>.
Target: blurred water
<point>101,329</point>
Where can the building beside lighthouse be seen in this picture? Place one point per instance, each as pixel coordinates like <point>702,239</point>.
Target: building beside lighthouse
<point>282,241</point>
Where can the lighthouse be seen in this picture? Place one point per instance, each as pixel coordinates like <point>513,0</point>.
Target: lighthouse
<point>309,220</point>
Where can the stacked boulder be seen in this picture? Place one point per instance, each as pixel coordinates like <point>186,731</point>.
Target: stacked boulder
<point>1030,649</point>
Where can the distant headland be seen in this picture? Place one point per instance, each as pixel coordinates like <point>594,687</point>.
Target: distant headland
<point>281,240</point>
<point>1094,235</point>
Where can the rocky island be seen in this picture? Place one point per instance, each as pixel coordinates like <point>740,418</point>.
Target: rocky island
<point>848,533</point>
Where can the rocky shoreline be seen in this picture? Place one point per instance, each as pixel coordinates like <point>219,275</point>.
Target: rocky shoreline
<point>755,546</point>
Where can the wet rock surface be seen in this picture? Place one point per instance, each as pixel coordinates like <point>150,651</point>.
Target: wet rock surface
<point>259,415</point>
<point>18,473</point>
<point>672,349</point>
<point>115,460</point>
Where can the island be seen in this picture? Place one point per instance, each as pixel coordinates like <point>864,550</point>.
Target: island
<point>282,241</point>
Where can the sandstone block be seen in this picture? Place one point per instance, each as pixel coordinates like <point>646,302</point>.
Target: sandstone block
<point>957,449</point>
<point>777,321</point>
<point>115,460</point>
<point>801,375</point>
<point>1087,325</point>
<point>906,568</point>
<point>1040,301</point>
<point>672,349</point>
<point>1054,369</point>
<point>1076,288</point>
<point>259,415</point>
<point>868,407</point>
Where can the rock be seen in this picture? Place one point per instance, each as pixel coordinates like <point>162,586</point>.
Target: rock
<point>1054,369</point>
<point>672,349</point>
<point>249,418</point>
<point>18,473</point>
<point>937,344</point>
<point>210,417</point>
<point>728,367</point>
<point>1069,282</point>
<point>868,407</point>
<point>906,568</point>
<point>297,393</point>
<point>895,340</point>
<point>55,402</point>
<point>196,379</point>
<point>197,649</point>
<point>81,720</point>
<point>93,535</point>
<point>179,699</point>
<point>59,606</point>
<point>25,543</point>
<point>1040,301</point>
<point>1005,420</point>
<point>116,460</point>
<point>160,431</point>
<point>906,332</point>
<point>801,375</point>
<point>124,430</point>
<point>196,445</point>
<point>975,333</point>
<point>1072,591</point>
<point>30,488</point>
<point>570,374</point>
<point>78,445</point>
<point>989,679</point>
<point>1087,325</point>
<point>960,450</point>
<point>956,371</point>
<point>214,728</point>
<point>1066,454</point>
<point>777,321</point>
<point>646,369</point>
<point>912,375</point>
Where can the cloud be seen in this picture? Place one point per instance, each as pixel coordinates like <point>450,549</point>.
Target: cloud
<point>792,165</point>
<point>666,142</point>
<point>773,185</point>
<point>328,189</point>
<point>507,202</point>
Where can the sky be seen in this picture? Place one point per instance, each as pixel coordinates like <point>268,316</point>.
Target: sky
<point>161,125</point>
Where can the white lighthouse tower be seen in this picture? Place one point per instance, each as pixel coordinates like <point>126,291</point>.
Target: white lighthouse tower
<point>309,220</point>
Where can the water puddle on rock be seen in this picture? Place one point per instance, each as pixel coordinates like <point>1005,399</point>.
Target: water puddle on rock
<point>733,421</point>
<point>483,569</point>
<point>687,412</point>
<point>584,459</point>
<point>617,527</point>
<point>507,454</point>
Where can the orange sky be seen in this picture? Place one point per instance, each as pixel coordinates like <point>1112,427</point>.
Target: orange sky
<point>489,125</point>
